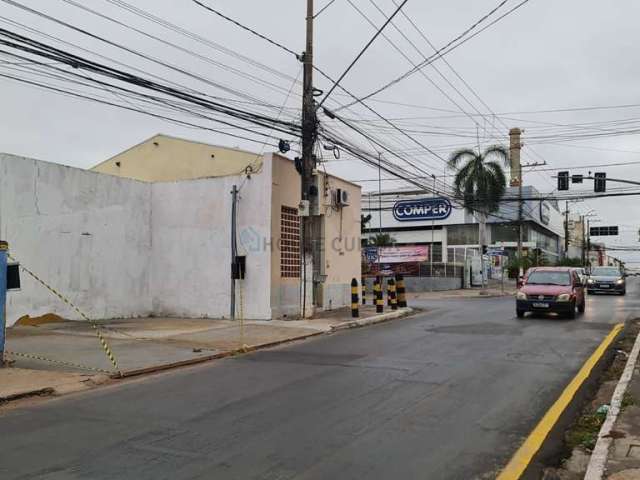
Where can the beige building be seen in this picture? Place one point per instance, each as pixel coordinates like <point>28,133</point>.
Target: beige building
<point>164,158</point>
<point>273,180</point>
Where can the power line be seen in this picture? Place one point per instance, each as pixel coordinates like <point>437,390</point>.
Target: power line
<point>163,117</point>
<point>364,49</point>
<point>324,8</point>
<point>448,47</point>
<point>40,49</point>
<point>127,49</point>
<point>250,30</point>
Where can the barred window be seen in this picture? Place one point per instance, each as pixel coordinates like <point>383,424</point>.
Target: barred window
<point>289,243</point>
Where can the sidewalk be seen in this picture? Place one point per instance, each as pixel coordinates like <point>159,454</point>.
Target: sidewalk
<point>492,290</point>
<point>59,357</point>
<point>616,455</point>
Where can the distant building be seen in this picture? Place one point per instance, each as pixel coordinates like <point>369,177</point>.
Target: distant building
<point>453,233</point>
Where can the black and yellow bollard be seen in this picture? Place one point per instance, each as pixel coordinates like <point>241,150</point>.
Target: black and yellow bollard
<point>392,294</point>
<point>364,291</point>
<point>402,297</point>
<point>377,293</point>
<point>388,293</point>
<point>354,298</point>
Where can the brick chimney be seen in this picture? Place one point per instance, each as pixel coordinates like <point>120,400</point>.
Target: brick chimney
<point>514,156</point>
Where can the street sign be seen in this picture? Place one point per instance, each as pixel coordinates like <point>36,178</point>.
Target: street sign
<point>603,231</point>
<point>422,209</point>
<point>496,252</point>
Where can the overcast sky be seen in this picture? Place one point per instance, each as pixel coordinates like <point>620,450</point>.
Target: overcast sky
<point>544,56</point>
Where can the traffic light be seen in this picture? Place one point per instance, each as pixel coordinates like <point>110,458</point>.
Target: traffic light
<point>600,182</point>
<point>563,180</point>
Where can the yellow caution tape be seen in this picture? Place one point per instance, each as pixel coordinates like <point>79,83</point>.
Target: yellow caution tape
<point>96,328</point>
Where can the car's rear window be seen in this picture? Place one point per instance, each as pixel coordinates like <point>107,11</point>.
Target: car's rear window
<point>549,278</point>
<point>606,272</point>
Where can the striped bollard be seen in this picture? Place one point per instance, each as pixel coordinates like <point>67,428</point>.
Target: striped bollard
<point>364,291</point>
<point>402,297</point>
<point>354,298</point>
<point>388,293</point>
<point>392,294</point>
<point>377,289</point>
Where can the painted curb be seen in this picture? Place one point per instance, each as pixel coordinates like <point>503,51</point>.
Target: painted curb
<point>549,429</point>
<point>600,455</point>
<point>383,317</point>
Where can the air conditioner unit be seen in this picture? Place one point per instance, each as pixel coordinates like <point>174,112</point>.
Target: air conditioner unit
<point>342,197</point>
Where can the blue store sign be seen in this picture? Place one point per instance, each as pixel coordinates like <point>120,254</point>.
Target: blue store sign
<point>422,209</point>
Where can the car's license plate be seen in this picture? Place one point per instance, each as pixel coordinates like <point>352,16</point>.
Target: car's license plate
<point>604,286</point>
<point>540,305</point>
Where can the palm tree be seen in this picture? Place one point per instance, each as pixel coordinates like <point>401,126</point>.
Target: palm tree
<point>480,182</point>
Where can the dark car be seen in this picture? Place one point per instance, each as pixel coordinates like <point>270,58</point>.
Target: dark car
<point>606,279</point>
<point>551,290</point>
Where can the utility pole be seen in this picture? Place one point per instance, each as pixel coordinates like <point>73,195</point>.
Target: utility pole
<point>378,245</point>
<point>584,261</point>
<point>588,242</point>
<point>234,252</point>
<point>566,228</point>
<point>309,195</point>
<point>432,238</point>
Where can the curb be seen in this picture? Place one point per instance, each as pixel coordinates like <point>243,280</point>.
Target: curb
<point>383,317</point>
<point>40,392</point>
<point>238,351</point>
<point>600,454</point>
<point>216,356</point>
<point>543,442</point>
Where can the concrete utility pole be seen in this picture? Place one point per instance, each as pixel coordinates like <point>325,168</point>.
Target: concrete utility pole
<point>4,247</point>
<point>432,239</point>
<point>566,228</point>
<point>234,252</point>
<point>309,194</point>
<point>584,262</point>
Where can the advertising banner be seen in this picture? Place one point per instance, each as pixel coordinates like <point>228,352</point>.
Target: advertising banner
<point>401,259</point>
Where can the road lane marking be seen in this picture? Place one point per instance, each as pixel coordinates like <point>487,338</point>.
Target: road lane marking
<point>521,459</point>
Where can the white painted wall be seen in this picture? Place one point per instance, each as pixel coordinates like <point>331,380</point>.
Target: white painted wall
<point>191,255</point>
<point>87,234</point>
<point>122,248</point>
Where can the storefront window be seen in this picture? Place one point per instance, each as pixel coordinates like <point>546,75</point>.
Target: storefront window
<point>462,234</point>
<point>504,233</point>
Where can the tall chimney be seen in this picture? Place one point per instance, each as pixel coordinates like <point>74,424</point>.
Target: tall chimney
<point>514,156</point>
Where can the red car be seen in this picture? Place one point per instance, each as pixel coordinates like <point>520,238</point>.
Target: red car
<point>551,290</point>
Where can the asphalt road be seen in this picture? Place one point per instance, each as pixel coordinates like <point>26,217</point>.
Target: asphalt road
<point>445,395</point>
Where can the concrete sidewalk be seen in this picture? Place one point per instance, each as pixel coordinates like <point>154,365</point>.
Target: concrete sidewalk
<point>616,455</point>
<point>57,357</point>
<point>475,292</point>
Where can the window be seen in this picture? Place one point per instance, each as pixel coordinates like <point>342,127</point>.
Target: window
<point>462,234</point>
<point>289,243</point>
<point>504,232</point>
<point>549,278</point>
